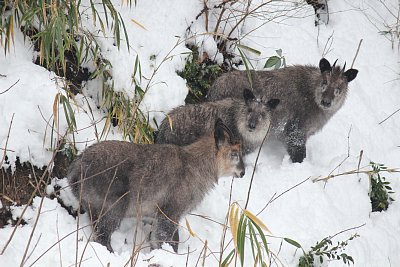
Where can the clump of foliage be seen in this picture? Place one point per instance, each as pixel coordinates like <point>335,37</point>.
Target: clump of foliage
<point>325,249</point>
<point>245,226</point>
<point>380,189</point>
<point>63,46</point>
<point>199,72</point>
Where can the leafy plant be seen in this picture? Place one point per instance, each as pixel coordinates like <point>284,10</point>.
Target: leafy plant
<point>276,62</point>
<point>247,227</point>
<point>322,250</point>
<point>199,75</point>
<point>55,28</point>
<point>380,189</point>
<point>124,111</point>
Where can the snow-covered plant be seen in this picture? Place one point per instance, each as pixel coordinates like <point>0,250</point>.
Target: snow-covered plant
<point>324,250</point>
<point>55,28</point>
<point>380,189</point>
<point>199,74</point>
<point>124,111</point>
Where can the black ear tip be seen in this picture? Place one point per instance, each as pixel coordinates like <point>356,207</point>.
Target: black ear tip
<point>248,94</point>
<point>324,65</point>
<point>273,103</point>
<point>324,61</point>
<point>351,74</point>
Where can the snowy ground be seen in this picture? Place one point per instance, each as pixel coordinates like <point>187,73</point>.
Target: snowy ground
<point>307,213</point>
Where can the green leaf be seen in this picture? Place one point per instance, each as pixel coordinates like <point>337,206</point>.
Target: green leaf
<point>228,259</point>
<point>272,62</point>
<point>250,49</point>
<point>292,242</point>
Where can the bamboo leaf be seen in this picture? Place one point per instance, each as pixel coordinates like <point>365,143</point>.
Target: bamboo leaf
<point>233,222</point>
<point>139,24</point>
<point>256,220</point>
<point>55,108</point>
<point>189,228</point>
<point>292,242</point>
<point>250,49</point>
<point>228,259</point>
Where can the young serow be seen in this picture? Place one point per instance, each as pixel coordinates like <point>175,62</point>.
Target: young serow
<point>309,97</point>
<point>247,117</point>
<point>117,179</point>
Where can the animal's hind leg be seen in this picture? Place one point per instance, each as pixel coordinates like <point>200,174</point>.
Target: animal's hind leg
<point>107,220</point>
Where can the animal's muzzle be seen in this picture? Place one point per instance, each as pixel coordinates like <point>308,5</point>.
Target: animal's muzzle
<point>326,103</point>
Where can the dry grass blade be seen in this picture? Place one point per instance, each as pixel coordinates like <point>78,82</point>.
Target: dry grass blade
<point>234,222</point>
<point>189,228</point>
<point>256,220</point>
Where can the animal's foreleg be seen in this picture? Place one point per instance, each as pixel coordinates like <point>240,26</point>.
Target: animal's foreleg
<point>295,142</point>
<point>166,229</point>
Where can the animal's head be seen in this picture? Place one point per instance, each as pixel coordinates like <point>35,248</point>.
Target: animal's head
<point>256,116</point>
<point>229,151</point>
<point>332,91</point>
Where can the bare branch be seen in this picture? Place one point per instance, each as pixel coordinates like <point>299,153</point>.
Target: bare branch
<point>9,88</point>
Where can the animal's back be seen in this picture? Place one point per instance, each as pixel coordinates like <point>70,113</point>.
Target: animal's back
<point>129,168</point>
<point>190,122</point>
<point>292,85</point>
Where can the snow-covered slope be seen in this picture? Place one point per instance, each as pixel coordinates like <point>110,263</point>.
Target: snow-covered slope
<point>307,213</point>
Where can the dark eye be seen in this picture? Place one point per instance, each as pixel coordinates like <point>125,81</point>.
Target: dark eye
<point>336,92</point>
<point>234,155</point>
<point>324,82</point>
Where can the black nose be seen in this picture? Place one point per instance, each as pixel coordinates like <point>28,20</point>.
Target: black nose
<point>242,174</point>
<point>252,125</point>
<point>326,103</point>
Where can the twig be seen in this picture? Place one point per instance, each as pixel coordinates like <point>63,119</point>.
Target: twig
<point>9,88</point>
<point>356,171</point>
<point>359,162</point>
<point>5,147</point>
<point>358,49</point>
<point>255,166</point>
<point>284,192</point>
<point>59,244</point>
<point>389,116</point>
<point>346,230</point>
<point>348,154</point>
<point>225,226</point>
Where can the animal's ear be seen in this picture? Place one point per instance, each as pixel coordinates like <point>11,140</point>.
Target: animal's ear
<point>324,65</point>
<point>351,74</point>
<point>248,95</point>
<point>273,103</point>
<point>220,133</point>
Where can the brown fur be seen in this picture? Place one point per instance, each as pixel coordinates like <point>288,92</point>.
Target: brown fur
<point>115,178</point>
<point>309,96</point>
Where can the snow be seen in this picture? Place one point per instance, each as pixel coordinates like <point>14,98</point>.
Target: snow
<point>307,213</point>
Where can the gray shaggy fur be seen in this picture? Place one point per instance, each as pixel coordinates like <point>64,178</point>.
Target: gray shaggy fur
<point>309,97</point>
<point>114,179</point>
<point>248,119</point>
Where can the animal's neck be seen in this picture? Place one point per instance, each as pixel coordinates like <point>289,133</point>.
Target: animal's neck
<point>202,161</point>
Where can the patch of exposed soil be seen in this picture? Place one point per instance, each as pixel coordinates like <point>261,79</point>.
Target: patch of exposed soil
<point>16,188</point>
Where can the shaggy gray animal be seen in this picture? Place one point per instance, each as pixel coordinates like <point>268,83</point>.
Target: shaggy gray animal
<point>309,97</point>
<point>156,183</point>
<point>248,119</point>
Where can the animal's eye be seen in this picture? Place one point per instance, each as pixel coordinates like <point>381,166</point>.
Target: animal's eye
<point>324,82</point>
<point>234,155</point>
<point>337,92</point>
